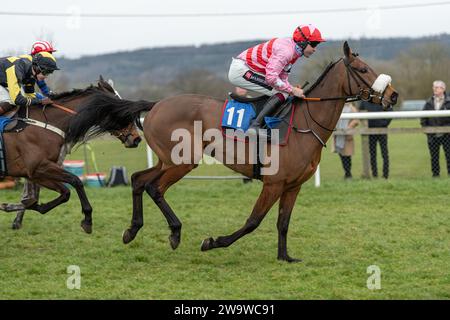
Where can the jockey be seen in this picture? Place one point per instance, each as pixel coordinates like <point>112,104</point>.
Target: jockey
<point>18,75</point>
<point>264,68</point>
<point>42,46</point>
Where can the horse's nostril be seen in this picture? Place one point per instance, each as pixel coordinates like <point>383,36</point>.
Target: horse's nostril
<point>137,141</point>
<point>394,97</point>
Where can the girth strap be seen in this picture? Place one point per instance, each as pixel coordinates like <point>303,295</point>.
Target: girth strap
<point>44,125</point>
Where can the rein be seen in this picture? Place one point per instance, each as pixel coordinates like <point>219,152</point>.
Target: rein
<point>363,94</point>
<point>46,125</point>
<point>63,108</point>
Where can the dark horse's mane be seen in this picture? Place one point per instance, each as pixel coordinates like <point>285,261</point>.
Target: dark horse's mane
<point>75,93</point>
<point>102,113</point>
<point>321,77</point>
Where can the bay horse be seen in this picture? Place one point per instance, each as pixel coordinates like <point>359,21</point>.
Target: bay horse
<point>74,117</point>
<point>349,78</point>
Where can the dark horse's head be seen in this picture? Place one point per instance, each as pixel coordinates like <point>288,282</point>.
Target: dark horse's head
<point>129,135</point>
<point>77,99</point>
<point>104,111</point>
<point>363,81</point>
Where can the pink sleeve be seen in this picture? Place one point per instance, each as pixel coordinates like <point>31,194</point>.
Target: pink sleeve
<point>275,74</point>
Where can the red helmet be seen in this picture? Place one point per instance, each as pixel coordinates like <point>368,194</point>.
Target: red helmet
<point>307,33</point>
<point>41,46</point>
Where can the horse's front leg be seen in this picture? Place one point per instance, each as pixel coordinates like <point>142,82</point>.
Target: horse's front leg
<point>52,176</point>
<point>269,195</point>
<point>287,203</point>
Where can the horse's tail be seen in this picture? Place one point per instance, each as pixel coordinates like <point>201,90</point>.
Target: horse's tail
<point>131,111</point>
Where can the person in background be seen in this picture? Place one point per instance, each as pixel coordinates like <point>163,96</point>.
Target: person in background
<point>439,101</point>
<point>375,139</point>
<point>344,145</point>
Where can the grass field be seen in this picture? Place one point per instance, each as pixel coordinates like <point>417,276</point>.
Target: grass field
<point>340,229</point>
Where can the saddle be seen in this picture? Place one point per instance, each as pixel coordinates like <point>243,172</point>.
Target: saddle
<point>280,120</point>
<point>13,113</point>
<point>257,102</point>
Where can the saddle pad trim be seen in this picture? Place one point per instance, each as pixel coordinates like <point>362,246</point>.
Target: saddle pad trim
<point>283,143</point>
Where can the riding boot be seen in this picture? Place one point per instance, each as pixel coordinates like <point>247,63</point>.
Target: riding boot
<point>271,104</point>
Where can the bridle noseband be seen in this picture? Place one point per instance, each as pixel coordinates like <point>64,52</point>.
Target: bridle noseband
<point>364,94</point>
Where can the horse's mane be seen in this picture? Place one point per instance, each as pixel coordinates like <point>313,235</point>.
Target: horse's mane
<point>322,76</point>
<point>102,113</point>
<point>74,93</point>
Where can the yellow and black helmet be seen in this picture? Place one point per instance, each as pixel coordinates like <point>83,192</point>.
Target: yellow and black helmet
<point>44,62</point>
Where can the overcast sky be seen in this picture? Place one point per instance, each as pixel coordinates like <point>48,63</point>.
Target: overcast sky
<point>74,35</point>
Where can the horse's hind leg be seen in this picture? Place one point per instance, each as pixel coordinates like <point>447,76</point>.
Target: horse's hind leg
<point>138,181</point>
<point>14,207</point>
<point>17,223</point>
<point>156,190</point>
<point>30,195</point>
<point>269,195</point>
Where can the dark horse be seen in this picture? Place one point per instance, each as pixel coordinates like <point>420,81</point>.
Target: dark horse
<point>77,115</point>
<point>347,78</point>
<point>129,135</point>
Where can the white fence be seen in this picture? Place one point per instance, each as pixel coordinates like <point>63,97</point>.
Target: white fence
<point>360,116</point>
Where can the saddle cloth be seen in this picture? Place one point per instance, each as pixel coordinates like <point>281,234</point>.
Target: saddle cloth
<point>238,112</point>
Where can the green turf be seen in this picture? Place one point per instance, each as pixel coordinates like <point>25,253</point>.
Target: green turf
<point>339,230</point>
<point>401,225</point>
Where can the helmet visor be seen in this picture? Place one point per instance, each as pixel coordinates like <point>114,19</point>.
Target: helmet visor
<point>46,72</point>
<point>314,43</point>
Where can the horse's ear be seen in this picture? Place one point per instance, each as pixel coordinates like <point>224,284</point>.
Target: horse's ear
<point>101,79</point>
<point>347,50</point>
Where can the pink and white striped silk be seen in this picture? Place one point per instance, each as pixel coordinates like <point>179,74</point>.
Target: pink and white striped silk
<point>273,59</point>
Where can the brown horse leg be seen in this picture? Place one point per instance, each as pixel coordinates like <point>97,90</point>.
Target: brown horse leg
<point>287,203</point>
<point>14,207</point>
<point>30,195</point>
<point>269,195</point>
<point>156,190</point>
<point>64,192</point>
<point>50,171</point>
<point>138,182</point>
<point>17,223</point>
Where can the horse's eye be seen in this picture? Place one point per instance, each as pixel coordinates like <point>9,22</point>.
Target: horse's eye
<point>363,70</point>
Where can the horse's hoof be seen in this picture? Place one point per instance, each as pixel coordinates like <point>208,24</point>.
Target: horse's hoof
<point>16,225</point>
<point>87,227</point>
<point>127,237</point>
<point>174,241</point>
<point>207,244</point>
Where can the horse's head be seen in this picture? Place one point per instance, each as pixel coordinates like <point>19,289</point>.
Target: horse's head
<point>129,135</point>
<point>369,85</point>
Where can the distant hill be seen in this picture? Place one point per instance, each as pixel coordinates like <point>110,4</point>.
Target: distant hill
<point>130,69</point>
